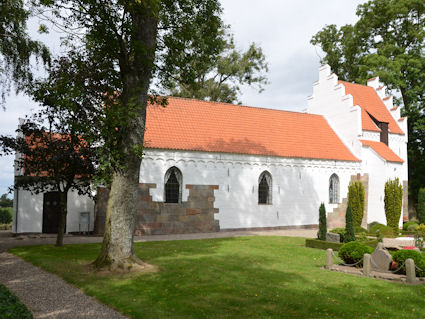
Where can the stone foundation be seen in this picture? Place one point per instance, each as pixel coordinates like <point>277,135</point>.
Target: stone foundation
<point>337,217</point>
<point>196,215</point>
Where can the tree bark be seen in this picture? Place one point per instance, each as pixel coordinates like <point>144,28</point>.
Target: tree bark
<point>136,71</point>
<point>62,218</point>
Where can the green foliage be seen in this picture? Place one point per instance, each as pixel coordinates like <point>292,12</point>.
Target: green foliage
<point>400,257</point>
<point>320,244</point>
<point>420,210</point>
<point>359,230</point>
<point>322,223</point>
<point>340,231</point>
<point>349,227</point>
<point>5,202</point>
<point>219,78</point>
<point>356,201</point>
<point>11,307</point>
<point>388,41</point>
<point>382,229</point>
<point>420,236</point>
<point>393,202</point>
<point>5,216</point>
<point>412,227</point>
<point>353,252</point>
<point>409,223</point>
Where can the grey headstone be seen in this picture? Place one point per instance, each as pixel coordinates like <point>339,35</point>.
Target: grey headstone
<point>381,258</point>
<point>331,237</point>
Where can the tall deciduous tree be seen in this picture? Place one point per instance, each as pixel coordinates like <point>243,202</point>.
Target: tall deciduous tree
<point>16,47</point>
<point>388,40</point>
<point>129,42</point>
<point>219,77</point>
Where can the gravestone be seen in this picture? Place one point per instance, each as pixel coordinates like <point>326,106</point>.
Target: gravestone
<point>381,258</point>
<point>331,237</point>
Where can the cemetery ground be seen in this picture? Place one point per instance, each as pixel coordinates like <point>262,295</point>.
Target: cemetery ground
<point>241,277</point>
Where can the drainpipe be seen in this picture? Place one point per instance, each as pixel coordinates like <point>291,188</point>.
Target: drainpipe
<point>16,210</point>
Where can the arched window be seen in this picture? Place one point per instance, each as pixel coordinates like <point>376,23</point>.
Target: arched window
<point>334,189</point>
<point>173,185</point>
<point>265,188</point>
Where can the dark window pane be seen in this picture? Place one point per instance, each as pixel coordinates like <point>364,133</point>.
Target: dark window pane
<point>172,189</point>
<point>263,191</point>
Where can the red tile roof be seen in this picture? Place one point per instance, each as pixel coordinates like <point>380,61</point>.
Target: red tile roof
<point>370,103</point>
<point>186,124</point>
<point>383,150</point>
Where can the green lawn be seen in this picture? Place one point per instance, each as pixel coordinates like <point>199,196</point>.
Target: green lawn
<point>245,277</point>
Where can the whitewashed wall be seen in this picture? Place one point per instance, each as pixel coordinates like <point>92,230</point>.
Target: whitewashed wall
<point>299,185</point>
<point>379,172</point>
<point>28,209</point>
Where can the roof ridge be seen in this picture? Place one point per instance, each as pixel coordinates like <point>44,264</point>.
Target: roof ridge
<point>240,105</point>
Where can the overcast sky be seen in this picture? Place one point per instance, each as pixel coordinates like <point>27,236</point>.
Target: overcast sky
<point>283,28</point>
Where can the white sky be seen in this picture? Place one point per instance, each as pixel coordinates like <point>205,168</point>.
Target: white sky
<point>283,28</point>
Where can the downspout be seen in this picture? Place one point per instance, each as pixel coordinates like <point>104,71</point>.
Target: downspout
<point>17,210</point>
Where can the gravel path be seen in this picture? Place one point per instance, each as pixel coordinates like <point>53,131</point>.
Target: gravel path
<point>48,296</point>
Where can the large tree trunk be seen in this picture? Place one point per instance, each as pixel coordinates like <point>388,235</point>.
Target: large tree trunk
<point>62,218</point>
<point>136,72</point>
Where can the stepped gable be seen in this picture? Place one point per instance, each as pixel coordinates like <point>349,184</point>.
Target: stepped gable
<point>193,125</point>
<point>383,151</point>
<point>371,105</point>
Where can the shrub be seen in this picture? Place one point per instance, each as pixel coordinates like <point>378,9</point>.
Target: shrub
<point>322,223</point>
<point>369,226</point>
<point>356,201</point>
<point>407,224</point>
<point>359,230</point>
<point>349,227</point>
<point>320,244</point>
<point>420,210</point>
<point>353,252</point>
<point>383,230</point>
<point>5,216</point>
<point>11,307</point>
<point>419,236</point>
<point>412,227</point>
<point>400,257</point>
<point>393,202</point>
<point>340,231</point>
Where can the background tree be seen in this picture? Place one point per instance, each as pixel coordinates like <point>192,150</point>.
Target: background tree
<point>387,41</point>
<point>356,201</point>
<point>349,226</point>
<point>420,212</point>
<point>5,201</point>
<point>54,153</point>
<point>16,47</point>
<point>321,234</point>
<point>127,43</point>
<point>219,76</point>
<point>393,199</point>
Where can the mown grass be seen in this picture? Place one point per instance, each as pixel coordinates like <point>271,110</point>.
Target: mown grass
<point>245,277</point>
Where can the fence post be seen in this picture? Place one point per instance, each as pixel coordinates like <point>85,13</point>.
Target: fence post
<point>410,271</point>
<point>329,258</point>
<point>367,265</point>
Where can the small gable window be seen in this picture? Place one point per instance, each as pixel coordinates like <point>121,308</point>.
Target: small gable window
<point>173,185</point>
<point>265,188</point>
<point>334,189</point>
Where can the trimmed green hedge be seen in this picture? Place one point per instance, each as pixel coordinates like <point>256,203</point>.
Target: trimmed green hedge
<point>5,215</point>
<point>353,252</point>
<point>320,244</point>
<point>400,257</point>
<point>393,202</point>
<point>11,307</point>
<point>356,201</point>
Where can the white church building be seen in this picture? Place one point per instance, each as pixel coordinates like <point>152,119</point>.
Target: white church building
<point>212,166</point>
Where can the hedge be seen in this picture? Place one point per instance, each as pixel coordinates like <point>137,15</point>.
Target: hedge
<point>320,244</point>
<point>11,307</point>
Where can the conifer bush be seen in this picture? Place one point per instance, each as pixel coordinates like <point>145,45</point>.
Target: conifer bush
<point>349,227</point>
<point>420,211</point>
<point>393,203</point>
<point>322,223</point>
<point>356,201</point>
